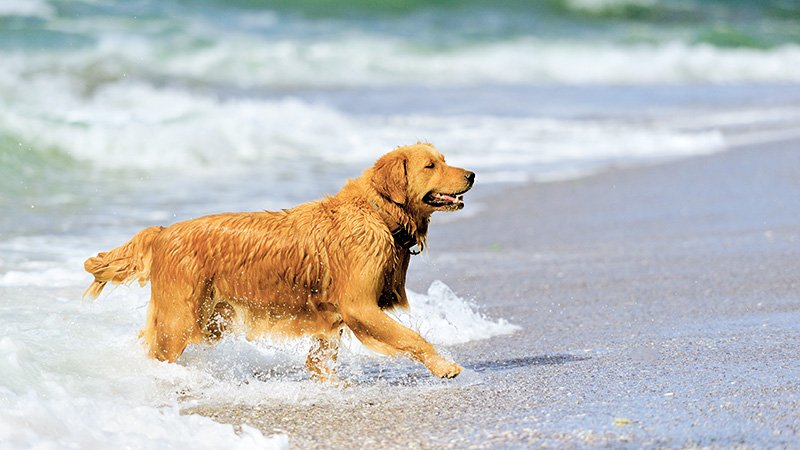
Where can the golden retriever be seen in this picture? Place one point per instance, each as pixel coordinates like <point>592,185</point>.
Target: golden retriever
<point>309,270</point>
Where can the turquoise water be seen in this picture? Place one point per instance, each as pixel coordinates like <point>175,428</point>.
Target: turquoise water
<point>732,23</point>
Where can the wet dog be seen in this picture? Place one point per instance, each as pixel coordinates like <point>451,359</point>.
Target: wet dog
<point>309,270</point>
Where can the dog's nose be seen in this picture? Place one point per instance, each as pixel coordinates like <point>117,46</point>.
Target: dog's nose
<point>470,176</point>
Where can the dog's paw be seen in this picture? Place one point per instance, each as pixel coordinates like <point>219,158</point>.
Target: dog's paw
<point>443,368</point>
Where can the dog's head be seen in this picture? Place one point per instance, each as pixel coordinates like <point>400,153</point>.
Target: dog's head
<point>417,178</point>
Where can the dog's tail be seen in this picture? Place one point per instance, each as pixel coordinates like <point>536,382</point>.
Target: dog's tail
<point>124,263</point>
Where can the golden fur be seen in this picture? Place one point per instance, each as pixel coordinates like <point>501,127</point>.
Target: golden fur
<point>309,270</point>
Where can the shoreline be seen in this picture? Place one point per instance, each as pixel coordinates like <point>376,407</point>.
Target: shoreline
<point>659,307</point>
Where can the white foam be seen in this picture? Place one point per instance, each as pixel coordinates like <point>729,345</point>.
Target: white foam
<point>249,60</point>
<point>52,276</point>
<point>26,8</point>
<point>443,318</point>
<point>137,125</point>
<point>73,376</point>
<point>57,419</point>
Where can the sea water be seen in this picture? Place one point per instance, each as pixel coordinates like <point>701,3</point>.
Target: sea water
<point>118,115</point>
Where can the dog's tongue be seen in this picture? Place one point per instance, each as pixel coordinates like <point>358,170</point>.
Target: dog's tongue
<point>448,198</point>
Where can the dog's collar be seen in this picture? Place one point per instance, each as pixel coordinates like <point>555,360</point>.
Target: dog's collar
<point>400,234</point>
<point>404,239</point>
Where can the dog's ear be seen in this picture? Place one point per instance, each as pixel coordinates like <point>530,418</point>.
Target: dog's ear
<point>389,178</point>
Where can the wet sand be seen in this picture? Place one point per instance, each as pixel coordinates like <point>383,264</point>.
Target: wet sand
<point>660,307</point>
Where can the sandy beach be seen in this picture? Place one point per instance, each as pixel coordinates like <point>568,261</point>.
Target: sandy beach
<point>659,308</point>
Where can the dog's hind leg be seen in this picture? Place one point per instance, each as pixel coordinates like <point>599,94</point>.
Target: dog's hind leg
<point>321,360</point>
<point>172,321</point>
<point>219,321</point>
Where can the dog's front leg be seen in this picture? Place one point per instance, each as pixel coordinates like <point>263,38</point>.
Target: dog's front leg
<point>377,330</point>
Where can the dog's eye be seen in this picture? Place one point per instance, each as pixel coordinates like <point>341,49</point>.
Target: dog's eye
<point>430,165</point>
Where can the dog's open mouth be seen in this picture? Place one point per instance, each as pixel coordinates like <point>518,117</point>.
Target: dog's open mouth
<point>439,200</point>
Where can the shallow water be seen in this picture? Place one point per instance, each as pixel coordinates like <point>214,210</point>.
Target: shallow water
<point>120,115</point>
<point>75,374</point>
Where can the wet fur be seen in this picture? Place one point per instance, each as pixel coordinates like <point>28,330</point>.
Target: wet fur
<point>309,270</point>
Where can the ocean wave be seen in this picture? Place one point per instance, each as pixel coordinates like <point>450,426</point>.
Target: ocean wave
<point>375,61</point>
<point>522,61</point>
<point>136,126</point>
<point>362,59</point>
